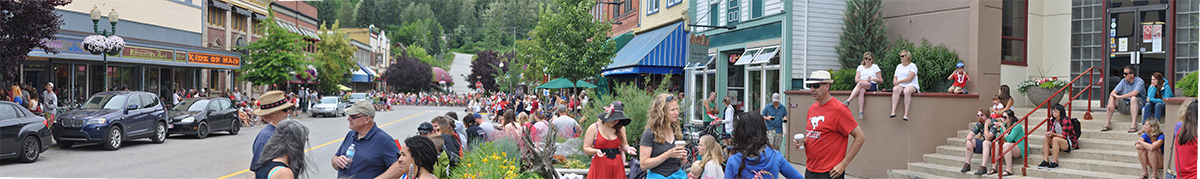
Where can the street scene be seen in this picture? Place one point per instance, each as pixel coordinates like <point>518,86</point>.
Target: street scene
<point>599,89</point>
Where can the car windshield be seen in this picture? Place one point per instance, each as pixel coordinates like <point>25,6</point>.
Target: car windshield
<point>105,102</point>
<point>328,100</point>
<point>191,105</point>
<point>358,96</point>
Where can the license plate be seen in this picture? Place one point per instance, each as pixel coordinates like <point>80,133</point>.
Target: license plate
<point>170,126</point>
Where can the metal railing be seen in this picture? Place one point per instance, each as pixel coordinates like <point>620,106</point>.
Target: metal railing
<point>1090,72</point>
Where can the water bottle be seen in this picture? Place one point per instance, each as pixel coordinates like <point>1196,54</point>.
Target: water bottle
<point>350,154</point>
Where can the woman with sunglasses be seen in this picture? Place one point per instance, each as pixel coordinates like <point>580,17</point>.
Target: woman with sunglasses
<point>607,141</point>
<point>867,78</point>
<point>905,81</point>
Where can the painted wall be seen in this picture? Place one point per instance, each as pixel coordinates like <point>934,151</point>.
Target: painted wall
<point>1048,46</point>
<point>181,15</point>
<point>666,15</point>
<point>816,27</point>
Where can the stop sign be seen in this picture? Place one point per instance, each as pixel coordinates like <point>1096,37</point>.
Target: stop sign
<point>478,84</point>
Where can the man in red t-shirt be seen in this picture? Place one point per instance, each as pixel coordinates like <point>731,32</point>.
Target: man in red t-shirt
<point>829,125</point>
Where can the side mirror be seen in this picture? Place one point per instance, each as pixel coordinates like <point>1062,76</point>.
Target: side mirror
<point>132,107</point>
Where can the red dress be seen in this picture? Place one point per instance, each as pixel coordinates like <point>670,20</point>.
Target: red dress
<point>603,167</point>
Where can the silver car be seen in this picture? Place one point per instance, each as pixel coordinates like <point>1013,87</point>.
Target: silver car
<point>329,106</point>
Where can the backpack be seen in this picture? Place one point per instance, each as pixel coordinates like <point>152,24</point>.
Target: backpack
<point>1076,131</point>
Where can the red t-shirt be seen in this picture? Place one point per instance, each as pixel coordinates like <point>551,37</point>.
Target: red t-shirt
<point>960,79</point>
<point>1185,161</point>
<point>828,131</point>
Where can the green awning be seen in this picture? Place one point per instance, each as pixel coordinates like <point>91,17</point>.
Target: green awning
<point>584,84</point>
<point>557,83</point>
<point>621,40</point>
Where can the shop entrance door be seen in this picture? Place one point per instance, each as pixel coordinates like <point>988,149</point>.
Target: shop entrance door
<point>1137,36</point>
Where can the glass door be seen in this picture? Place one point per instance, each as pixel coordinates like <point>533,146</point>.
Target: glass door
<point>1137,36</point>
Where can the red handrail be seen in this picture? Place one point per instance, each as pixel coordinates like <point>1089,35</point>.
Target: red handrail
<point>995,155</point>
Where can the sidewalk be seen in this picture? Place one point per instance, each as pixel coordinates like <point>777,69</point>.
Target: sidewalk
<point>802,169</point>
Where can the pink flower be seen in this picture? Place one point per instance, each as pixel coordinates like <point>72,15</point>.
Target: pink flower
<point>1055,78</point>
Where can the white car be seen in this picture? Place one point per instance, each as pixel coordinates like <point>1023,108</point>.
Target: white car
<point>329,106</point>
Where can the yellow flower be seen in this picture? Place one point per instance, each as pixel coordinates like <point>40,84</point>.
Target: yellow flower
<point>485,160</point>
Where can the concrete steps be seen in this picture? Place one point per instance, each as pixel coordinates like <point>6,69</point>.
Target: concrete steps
<point>1108,154</point>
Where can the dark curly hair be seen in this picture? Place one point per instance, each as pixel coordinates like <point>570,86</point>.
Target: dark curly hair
<point>749,137</point>
<point>422,150</point>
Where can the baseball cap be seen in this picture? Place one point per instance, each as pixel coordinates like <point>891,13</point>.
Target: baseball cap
<point>960,65</point>
<point>425,127</point>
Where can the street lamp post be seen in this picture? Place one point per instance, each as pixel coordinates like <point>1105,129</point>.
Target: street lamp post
<point>113,17</point>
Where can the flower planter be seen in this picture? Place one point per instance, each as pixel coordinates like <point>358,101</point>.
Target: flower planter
<point>1037,95</point>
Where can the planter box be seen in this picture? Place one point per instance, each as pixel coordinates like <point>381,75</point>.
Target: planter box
<point>1037,95</point>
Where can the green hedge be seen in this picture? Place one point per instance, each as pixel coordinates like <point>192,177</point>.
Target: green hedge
<point>1187,84</point>
<point>637,102</point>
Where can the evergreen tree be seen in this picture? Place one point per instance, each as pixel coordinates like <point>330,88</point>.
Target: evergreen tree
<point>273,58</point>
<point>863,30</point>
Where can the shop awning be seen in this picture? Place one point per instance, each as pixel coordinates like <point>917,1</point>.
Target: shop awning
<point>363,74</point>
<point>665,47</point>
<point>260,17</point>
<point>242,11</point>
<point>294,29</point>
<point>699,65</point>
<point>368,70</point>
<point>218,4</point>
<point>621,40</point>
<point>643,69</point>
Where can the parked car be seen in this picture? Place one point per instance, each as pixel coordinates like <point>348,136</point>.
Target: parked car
<point>111,118</point>
<point>355,97</point>
<point>201,116</point>
<point>329,106</point>
<point>23,135</point>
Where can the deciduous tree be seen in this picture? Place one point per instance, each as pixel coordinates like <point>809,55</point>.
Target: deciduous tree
<point>570,43</point>
<point>272,59</point>
<point>333,57</point>
<point>24,25</point>
<point>409,74</point>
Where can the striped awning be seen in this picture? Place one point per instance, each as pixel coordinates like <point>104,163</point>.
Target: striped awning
<point>665,47</point>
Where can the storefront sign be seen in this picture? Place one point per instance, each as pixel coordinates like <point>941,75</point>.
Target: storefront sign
<point>697,48</point>
<point>147,53</point>
<point>194,57</point>
<point>181,56</point>
<point>64,46</point>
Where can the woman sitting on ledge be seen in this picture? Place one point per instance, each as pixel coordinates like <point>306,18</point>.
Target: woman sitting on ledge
<point>904,81</point>
<point>867,79</point>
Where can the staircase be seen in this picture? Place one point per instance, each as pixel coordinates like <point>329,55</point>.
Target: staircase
<point>1108,154</point>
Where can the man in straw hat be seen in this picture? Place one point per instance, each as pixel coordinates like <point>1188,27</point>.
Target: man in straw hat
<point>829,123</point>
<point>366,151</point>
<point>274,108</point>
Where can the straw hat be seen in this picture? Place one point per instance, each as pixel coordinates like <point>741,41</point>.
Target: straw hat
<point>272,101</point>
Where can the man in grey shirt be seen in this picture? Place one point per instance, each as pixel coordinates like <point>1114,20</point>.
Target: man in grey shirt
<point>1129,89</point>
<point>49,99</point>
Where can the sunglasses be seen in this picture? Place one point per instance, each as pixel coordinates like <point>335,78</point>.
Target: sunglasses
<point>670,97</point>
<point>356,117</point>
<point>815,85</point>
<point>903,55</point>
<point>980,115</point>
<point>868,59</point>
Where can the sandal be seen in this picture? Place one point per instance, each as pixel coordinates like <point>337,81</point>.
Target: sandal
<point>1007,173</point>
<point>1106,128</point>
<point>991,172</point>
<point>1132,130</point>
<point>892,116</point>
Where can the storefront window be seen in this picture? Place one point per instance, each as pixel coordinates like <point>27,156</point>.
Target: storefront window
<point>152,81</point>
<point>1013,28</point>
<point>97,79</point>
<point>62,80</point>
<point>78,90</point>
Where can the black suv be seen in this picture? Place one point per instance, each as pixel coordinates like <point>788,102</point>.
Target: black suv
<point>111,118</point>
<point>200,116</point>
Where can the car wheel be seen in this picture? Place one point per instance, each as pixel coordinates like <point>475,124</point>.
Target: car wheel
<point>30,149</point>
<point>160,133</point>
<point>235,127</point>
<point>202,130</point>
<point>113,140</point>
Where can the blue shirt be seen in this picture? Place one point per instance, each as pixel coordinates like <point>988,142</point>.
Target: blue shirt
<point>263,136</point>
<point>1153,93</point>
<point>779,112</point>
<point>372,154</point>
<point>769,160</point>
<point>1126,87</point>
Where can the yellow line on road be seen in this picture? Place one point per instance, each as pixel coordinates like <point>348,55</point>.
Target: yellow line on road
<point>322,145</point>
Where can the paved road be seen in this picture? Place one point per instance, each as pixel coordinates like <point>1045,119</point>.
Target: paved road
<point>461,67</point>
<point>219,155</point>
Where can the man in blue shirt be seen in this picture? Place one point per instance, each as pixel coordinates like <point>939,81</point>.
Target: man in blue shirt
<point>1130,89</point>
<point>367,151</point>
<point>274,108</point>
<point>775,114</point>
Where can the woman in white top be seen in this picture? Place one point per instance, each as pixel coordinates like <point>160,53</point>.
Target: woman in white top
<point>905,81</point>
<point>866,77</point>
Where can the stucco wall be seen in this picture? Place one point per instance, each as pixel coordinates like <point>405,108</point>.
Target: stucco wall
<point>170,14</point>
<point>970,28</point>
<point>891,142</point>
<point>1049,46</point>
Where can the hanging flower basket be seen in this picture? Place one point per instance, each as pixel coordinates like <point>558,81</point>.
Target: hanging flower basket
<point>98,44</point>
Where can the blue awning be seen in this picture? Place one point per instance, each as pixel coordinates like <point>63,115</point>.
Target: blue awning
<point>368,70</point>
<point>665,47</point>
<point>363,74</point>
<point>362,78</point>
<point>643,70</point>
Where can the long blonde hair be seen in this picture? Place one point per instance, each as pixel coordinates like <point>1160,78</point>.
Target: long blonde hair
<point>1154,130</point>
<point>658,122</point>
<point>712,152</point>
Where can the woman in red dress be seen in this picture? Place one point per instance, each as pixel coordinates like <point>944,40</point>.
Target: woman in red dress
<point>605,141</point>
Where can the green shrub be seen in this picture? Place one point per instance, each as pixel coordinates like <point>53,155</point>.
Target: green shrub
<point>490,161</point>
<point>934,63</point>
<point>1187,84</point>
<point>843,80</point>
<point>636,100</point>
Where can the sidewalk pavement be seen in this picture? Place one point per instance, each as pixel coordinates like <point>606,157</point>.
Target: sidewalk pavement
<point>802,169</point>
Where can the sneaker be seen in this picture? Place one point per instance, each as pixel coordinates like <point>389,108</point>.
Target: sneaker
<point>966,168</point>
<point>1043,165</point>
<point>1053,166</point>
<point>982,170</point>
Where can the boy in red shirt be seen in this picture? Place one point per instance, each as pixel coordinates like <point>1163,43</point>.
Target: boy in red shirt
<point>960,79</point>
<point>829,125</point>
